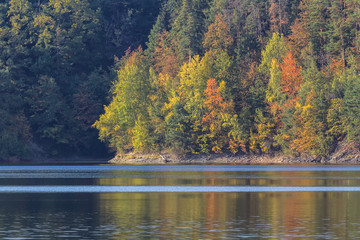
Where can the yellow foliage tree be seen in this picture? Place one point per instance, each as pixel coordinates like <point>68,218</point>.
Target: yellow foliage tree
<point>309,134</point>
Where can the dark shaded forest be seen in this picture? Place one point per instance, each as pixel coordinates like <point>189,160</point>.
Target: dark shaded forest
<point>183,76</point>
<point>57,64</point>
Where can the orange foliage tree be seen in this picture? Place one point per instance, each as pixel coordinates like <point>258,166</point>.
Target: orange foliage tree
<point>291,77</point>
<point>214,103</point>
<point>218,37</point>
<point>299,37</point>
<point>218,115</point>
<point>165,60</point>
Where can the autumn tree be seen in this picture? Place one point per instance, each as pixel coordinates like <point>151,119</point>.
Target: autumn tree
<point>275,49</point>
<point>299,37</point>
<point>164,57</point>
<point>217,117</point>
<point>309,135</point>
<point>291,77</point>
<point>278,15</point>
<point>218,37</point>
<point>124,122</point>
<point>282,105</point>
<point>274,94</point>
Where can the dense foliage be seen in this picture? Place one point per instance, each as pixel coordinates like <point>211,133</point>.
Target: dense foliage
<point>56,60</point>
<point>250,76</point>
<point>241,76</point>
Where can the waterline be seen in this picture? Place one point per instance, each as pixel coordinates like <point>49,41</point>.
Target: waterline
<point>172,168</point>
<point>159,189</point>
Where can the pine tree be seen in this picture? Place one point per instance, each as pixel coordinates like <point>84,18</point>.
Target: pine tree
<point>339,30</point>
<point>352,107</point>
<point>186,31</point>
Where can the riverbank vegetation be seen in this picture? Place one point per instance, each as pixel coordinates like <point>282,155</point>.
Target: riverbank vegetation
<point>214,76</point>
<point>241,76</point>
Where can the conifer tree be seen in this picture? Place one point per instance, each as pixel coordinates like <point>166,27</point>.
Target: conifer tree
<point>186,31</point>
<point>352,107</point>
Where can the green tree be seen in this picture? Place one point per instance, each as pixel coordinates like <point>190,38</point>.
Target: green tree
<point>275,49</point>
<point>339,30</point>
<point>15,136</point>
<point>50,117</point>
<point>178,127</point>
<point>314,15</point>
<point>352,107</point>
<point>187,31</point>
<point>311,113</point>
<point>127,114</point>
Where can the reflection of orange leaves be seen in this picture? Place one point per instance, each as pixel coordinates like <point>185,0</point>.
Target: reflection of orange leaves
<point>291,78</point>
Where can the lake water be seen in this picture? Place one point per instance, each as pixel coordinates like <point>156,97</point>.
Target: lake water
<point>180,202</point>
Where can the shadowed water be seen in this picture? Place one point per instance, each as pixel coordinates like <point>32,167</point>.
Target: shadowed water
<point>179,202</point>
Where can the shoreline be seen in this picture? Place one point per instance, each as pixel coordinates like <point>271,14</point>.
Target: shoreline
<point>248,159</point>
<point>57,161</point>
<point>344,153</point>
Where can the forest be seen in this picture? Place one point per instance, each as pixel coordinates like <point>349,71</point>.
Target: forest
<point>85,77</point>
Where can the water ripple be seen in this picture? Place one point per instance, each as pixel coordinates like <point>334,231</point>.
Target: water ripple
<point>175,168</point>
<point>157,189</point>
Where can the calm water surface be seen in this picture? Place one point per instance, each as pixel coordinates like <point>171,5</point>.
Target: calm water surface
<point>180,202</point>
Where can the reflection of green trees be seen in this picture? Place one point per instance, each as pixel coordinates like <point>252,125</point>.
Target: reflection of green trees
<point>47,216</point>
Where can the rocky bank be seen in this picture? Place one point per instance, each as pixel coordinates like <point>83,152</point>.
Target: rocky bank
<point>343,154</point>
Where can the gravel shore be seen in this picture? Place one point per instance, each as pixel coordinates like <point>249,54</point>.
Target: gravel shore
<point>231,159</point>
